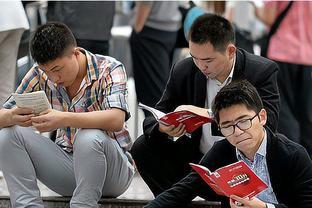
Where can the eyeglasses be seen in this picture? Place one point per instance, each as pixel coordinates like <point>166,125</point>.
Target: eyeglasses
<point>242,125</point>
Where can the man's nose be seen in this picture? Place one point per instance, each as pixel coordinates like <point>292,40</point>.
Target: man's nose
<point>55,78</point>
<point>202,65</point>
<point>238,131</point>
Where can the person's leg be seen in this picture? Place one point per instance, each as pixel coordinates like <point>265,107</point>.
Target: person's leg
<point>287,80</point>
<point>151,53</point>
<point>101,168</point>
<point>26,156</point>
<point>305,108</point>
<point>9,42</point>
<point>162,162</point>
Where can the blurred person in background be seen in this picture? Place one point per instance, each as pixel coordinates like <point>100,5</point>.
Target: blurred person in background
<point>90,21</point>
<point>152,43</point>
<point>291,48</point>
<point>13,22</point>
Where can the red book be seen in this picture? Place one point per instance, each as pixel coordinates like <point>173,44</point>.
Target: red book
<point>191,120</point>
<point>234,179</point>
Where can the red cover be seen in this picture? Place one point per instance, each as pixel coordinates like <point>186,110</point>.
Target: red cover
<point>191,120</point>
<point>234,179</point>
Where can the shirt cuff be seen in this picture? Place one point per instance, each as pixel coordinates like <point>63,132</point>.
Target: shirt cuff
<point>270,205</point>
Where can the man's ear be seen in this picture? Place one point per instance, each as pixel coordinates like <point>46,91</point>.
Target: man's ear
<point>76,51</point>
<point>231,50</point>
<point>263,116</point>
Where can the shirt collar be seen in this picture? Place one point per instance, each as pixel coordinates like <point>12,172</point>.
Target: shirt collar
<point>261,150</point>
<point>92,68</point>
<point>229,77</point>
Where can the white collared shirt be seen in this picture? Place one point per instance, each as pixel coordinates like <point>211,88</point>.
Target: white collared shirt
<point>213,87</point>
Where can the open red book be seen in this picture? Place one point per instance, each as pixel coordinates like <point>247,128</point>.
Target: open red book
<point>191,120</point>
<point>234,179</point>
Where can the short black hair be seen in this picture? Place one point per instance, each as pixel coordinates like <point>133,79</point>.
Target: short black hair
<point>51,41</point>
<point>214,29</point>
<point>237,92</point>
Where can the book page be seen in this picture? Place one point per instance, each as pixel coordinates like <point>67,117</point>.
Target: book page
<point>206,174</point>
<point>156,113</point>
<point>34,100</point>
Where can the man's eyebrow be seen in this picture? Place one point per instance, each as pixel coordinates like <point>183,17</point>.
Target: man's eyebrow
<point>203,59</point>
<point>54,67</point>
<point>233,121</point>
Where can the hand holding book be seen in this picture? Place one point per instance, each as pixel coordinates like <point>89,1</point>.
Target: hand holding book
<point>234,179</point>
<point>37,101</point>
<point>183,115</point>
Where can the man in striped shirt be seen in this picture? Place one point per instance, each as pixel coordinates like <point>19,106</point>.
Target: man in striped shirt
<point>87,94</point>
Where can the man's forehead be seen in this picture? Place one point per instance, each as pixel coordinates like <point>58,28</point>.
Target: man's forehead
<point>234,113</point>
<point>50,65</point>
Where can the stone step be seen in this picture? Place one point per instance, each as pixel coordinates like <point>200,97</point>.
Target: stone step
<point>63,202</point>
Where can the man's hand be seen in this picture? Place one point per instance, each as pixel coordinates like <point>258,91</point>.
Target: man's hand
<point>246,202</point>
<point>48,120</point>
<point>193,109</point>
<point>172,130</point>
<point>21,116</point>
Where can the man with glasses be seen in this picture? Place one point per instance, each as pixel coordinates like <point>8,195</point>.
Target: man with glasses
<point>193,84</point>
<point>282,164</point>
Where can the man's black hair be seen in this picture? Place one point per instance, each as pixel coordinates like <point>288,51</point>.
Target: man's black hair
<point>237,92</point>
<point>51,41</point>
<point>214,29</point>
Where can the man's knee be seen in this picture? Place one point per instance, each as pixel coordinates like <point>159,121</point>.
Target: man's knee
<point>138,147</point>
<point>6,135</point>
<point>91,138</point>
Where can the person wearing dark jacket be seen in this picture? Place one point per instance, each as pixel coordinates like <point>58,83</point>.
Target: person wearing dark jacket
<point>283,165</point>
<point>193,84</point>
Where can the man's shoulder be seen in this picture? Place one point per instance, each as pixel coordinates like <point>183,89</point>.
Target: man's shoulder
<point>186,65</point>
<point>255,62</point>
<point>280,143</point>
<point>104,63</point>
<point>255,69</point>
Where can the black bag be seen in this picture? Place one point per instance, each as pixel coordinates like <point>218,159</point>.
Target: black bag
<point>181,42</point>
<point>265,41</point>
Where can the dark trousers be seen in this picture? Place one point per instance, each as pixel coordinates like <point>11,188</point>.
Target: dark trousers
<point>94,46</point>
<point>151,52</point>
<point>162,162</point>
<point>295,119</point>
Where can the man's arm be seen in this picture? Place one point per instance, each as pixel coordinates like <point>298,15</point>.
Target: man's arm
<point>182,193</point>
<point>266,14</point>
<point>109,120</point>
<point>301,175</point>
<point>16,116</point>
<point>193,185</point>
<point>167,103</point>
<point>268,91</point>
<point>143,10</point>
<point>262,73</point>
<point>5,118</point>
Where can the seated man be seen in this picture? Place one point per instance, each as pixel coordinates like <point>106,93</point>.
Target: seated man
<point>282,164</point>
<point>195,81</point>
<point>87,94</point>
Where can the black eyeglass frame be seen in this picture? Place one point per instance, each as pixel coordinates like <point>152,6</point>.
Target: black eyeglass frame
<point>236,125</point>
